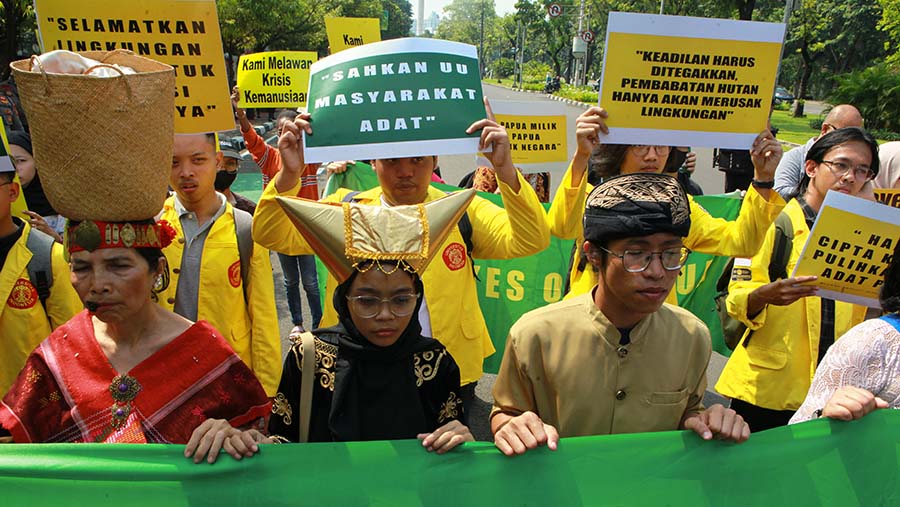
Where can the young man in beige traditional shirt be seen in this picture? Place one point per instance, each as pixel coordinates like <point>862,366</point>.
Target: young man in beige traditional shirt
<point>617,359</point>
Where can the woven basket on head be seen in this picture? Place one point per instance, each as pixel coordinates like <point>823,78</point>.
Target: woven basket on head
<point>103,146</point>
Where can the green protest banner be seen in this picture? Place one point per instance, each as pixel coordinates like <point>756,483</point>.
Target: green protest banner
<point>396,98</point>
<point>812,464</point>
<point>696,285</point>
<point>509,288</point>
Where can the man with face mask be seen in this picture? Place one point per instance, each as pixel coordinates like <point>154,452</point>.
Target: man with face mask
<point>225,176</point>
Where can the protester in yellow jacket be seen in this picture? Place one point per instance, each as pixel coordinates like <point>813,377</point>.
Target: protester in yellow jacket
<point>770,372</point>
<point>23,321</point>
<point>452,313</point>
<point>708,234</point>
<point>249,325</point>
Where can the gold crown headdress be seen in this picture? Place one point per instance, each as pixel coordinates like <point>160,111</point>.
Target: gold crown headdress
<point>347,235</point>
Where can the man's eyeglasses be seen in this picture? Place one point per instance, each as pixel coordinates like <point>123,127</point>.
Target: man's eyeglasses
<point>641,150</point>
<point>840,169</point>
<point>636,261</point>
<point>367,307</point>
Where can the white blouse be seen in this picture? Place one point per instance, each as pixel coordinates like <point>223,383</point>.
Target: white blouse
<point>867,356</point>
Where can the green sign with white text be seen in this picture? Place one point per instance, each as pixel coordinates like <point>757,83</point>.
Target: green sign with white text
<point>396,98</point>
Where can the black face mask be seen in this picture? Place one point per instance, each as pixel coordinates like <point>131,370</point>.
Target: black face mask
<point>224,179</point>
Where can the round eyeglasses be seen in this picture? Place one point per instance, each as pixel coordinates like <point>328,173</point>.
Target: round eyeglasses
<point>635,261</point>
<point>367,307</point>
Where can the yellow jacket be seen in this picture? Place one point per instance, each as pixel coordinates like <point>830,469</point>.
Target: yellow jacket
<point>776,368</point>
<point>516,231</point>
<point>710,235</point>
<point>23,322</point>
<point>251,327</point>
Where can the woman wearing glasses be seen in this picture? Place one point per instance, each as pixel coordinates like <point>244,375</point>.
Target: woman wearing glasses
<point>789,328</point>
<point>376,377</point>
<point>740,238</point>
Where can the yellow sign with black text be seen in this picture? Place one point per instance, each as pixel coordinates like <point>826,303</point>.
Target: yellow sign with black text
<point>535,139</point>
<point>181,33</point>
<point>889,196</point>
<point>849,248</point>
<point>274,79</point>
<point>660,82</point>
<point>345,33</point>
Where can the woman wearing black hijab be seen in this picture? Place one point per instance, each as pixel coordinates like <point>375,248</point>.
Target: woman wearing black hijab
<point>376,377</point>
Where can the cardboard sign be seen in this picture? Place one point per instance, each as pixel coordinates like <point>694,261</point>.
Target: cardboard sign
<point>397,98</point>
<point>681,81</point>
<point>889,196</point>
<point>537,136</point>
<point>849,248</point>
<point>181,33</point>
<point>346,33</point>
<point>274,79</point>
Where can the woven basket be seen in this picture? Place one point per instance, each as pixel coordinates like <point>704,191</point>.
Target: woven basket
<point>103,146</point>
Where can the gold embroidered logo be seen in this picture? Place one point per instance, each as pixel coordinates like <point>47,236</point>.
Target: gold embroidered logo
<point>23,295</point>
<point>234,274</point>
<point>454,256</point>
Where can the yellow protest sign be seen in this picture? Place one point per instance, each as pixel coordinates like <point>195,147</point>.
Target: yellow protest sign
<point>274,79</point>
<point>181,33</point>
<point>849,248</point>
<point>6,165</point>
<point>688,81</point>
<point>535,139</point>
<point>889,196</point>
<point>344,33</point>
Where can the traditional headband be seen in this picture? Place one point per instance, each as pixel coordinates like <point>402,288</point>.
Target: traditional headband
<point>92,235</point>
<point>352,236</point>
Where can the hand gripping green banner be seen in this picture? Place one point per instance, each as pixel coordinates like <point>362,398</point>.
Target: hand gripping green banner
<point>811,464</point>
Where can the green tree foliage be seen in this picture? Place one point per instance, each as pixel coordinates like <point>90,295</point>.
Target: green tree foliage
<point>17,32</point>
<point>875,91</point>
<point>832,37</point>
<point>472,22</point>
<point>890,25</point>
<point>250,26</point>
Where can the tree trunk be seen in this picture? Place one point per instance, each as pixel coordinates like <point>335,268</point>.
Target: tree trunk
<point>11,27</point>
<point>745,9</point>
<point>801,89</point>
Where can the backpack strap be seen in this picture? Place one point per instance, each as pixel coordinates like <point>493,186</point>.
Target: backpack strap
<point>781,250</point>
<point>307,379</point>
<point>243,230</point>
<point>40,268</point>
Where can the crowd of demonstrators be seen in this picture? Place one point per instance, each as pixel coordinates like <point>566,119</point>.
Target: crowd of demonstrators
<point>214,276</point>
<point>40,213</point>
<point>191,299</point>
<point>34,284</point>
<point>375,376</point>
<point>716,236</point>
<point>789,328</point>
<point>791,169</point>
<point>295,269</point>
<point>625,362</point>
<point>450,308</point>
<point>861,372</point>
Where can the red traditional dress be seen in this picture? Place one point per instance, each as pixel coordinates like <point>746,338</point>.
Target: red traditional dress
<point>69,392</point>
